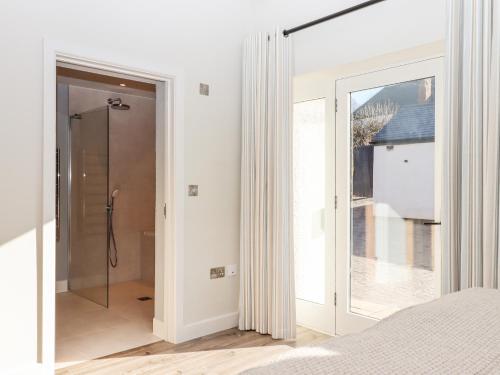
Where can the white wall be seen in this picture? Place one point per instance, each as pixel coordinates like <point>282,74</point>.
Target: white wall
<point>202,38</point>
<point>382,28</point>
<point>403,180</point>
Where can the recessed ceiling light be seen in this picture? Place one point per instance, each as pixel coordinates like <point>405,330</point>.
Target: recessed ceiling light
<point>123,85</point>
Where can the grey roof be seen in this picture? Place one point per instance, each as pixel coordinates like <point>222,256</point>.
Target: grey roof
<point>404,93</point>
<point>411,124</point>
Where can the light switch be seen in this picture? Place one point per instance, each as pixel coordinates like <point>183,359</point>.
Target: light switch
<point>231,270</point>
<point>193,190</point>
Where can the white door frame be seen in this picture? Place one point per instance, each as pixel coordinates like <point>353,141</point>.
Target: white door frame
<point>167,322</point>
<point>349,322</point>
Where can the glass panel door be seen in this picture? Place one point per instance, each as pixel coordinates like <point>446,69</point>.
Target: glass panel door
<point>88,265</point>
<point>388,190</point>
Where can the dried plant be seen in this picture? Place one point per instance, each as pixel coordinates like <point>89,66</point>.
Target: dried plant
<point>369,120</point>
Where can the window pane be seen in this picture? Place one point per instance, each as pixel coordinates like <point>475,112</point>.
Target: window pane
<point>392,196</point>
<point>309,199</point>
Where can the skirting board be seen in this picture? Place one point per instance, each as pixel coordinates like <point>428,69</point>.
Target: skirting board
<point>61,286</point>
<point>209,326</point>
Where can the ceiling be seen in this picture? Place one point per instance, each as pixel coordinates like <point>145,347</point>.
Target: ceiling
<point>108,80</point>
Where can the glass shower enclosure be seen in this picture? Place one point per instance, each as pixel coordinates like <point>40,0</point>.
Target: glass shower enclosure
<point>88,206</point>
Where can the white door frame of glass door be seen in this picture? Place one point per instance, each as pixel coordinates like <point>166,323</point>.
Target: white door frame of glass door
<point>347,321</point>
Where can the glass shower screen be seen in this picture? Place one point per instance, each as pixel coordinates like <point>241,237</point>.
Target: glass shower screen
<point>89,174</point>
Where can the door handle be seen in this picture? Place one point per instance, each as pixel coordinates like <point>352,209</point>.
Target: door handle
<point>432,223</point>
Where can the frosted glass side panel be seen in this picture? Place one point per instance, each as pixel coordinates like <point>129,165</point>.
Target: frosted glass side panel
<point>309,199</point>
<point>88,267</point>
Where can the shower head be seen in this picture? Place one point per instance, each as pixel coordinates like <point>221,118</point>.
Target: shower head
<point>116,103</point>
<point>115,193</point>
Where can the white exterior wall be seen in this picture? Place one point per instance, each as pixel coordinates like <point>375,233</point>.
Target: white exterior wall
<point>404,189</point>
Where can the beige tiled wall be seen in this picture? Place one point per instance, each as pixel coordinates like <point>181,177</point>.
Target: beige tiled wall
<point>148,257</point>
<point>132,170</point>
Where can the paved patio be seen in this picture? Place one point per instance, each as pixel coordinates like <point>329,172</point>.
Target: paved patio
<point>392,262</point>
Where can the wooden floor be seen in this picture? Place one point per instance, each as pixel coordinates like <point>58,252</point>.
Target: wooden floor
<point>226,352</point>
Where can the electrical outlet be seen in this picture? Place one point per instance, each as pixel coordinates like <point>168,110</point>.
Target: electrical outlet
<point>217,272</point>
<point>204,89</point>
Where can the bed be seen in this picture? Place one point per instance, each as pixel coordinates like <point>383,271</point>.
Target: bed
<point>456,334</point>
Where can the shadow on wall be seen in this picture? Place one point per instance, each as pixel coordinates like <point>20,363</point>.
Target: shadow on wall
<point>20,271</point>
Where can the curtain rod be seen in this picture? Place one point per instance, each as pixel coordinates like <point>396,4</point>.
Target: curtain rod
<point>331,16</point>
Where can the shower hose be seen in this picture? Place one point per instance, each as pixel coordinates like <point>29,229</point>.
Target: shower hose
<point>112,249</point>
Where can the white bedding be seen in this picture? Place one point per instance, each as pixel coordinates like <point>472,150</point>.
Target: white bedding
<point>457,334</point>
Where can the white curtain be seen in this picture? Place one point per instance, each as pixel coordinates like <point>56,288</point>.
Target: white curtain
<point>472,146</point>
<point>267,291</point>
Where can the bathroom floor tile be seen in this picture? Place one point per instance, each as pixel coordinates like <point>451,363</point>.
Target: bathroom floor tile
<point>85,330</point>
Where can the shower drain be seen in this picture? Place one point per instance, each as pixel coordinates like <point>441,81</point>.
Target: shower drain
<point>144,298</point>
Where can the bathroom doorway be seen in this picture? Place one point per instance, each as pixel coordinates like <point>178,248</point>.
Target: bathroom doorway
<point>105,213</point>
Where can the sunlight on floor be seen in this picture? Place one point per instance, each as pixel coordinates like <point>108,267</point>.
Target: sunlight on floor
<point>222,361</point>
<point>226,352</point>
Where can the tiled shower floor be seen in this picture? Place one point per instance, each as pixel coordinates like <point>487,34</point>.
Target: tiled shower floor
<point>86,330</point>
